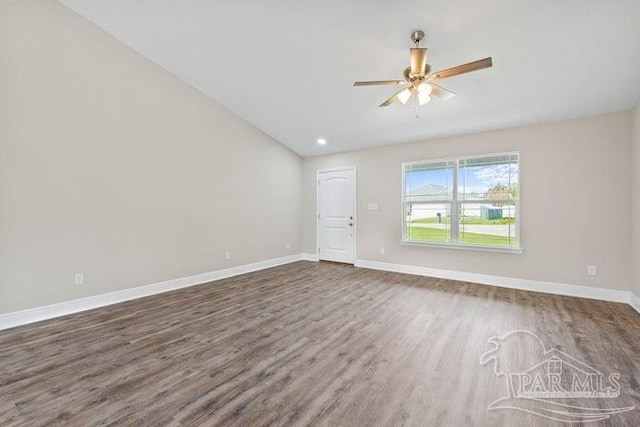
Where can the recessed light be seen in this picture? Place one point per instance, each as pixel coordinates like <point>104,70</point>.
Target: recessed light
<point>322,141</point>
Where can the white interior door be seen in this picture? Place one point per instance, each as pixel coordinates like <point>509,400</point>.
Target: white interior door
<point>336,215</point>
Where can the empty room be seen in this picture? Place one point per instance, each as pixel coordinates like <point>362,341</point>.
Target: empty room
<point>319,213</point>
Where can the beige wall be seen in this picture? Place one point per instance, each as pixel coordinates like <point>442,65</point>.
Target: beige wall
<point>635,141</point>
<point>575,208</point>
<point>113,167</point>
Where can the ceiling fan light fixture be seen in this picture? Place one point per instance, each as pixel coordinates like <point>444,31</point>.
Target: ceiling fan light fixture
<point>425,88</point>
<point>404,96</point>
<point>423,97</point>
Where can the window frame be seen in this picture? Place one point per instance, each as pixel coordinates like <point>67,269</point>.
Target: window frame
<point>456,205</point>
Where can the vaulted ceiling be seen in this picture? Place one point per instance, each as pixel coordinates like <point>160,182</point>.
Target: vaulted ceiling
<point>288,66</point>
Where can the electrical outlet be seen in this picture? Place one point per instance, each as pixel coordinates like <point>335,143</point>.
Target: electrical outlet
<point>591,270</point>
<point>78,279</point>
<point>381,250</point>
<point>288,245</point>
<point>227,255</point>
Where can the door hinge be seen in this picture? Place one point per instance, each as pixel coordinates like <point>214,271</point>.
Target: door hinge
<point>318,182</point>
<point>318,216</point>
<point>318,250</point>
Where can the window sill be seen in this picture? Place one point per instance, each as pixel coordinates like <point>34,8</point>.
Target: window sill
<point>506,250</point>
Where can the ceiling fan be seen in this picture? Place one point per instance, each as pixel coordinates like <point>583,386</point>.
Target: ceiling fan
<point>419,82</point>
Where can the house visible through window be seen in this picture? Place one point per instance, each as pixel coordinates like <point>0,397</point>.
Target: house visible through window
<point>469,201</point>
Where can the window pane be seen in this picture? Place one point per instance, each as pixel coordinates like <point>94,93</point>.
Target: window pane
<point>490,177</point>
<point>428,196</point>
<point>429,182</point>
<point>488,191</point>
<point>428,222</point>
<point>487,223</point>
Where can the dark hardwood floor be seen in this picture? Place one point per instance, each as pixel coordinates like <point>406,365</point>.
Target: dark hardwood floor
<point>316,344</point>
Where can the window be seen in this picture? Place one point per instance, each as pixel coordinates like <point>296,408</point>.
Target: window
<point>465,201</point>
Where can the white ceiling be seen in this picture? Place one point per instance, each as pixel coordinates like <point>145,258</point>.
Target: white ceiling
<point>288,66</point>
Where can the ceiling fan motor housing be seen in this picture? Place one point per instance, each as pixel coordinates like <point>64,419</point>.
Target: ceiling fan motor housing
<point>411,77</point>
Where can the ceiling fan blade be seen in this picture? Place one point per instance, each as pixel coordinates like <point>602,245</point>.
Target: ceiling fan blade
<point>392,98</point>
<point>465,68</point>
<point>441,92</point>
<point>418,61</point>
<point>379,82</point>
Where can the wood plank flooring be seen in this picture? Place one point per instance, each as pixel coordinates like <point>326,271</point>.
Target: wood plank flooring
<point>306,344</point>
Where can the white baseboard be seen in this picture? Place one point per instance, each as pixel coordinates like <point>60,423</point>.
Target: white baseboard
<point>504,282</point>
<point>37,314</point>
<point>310,257</point>
<point>634,301</point>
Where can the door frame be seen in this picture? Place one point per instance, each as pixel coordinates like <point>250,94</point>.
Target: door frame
<point>355,207</point>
